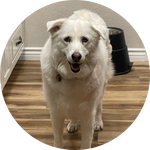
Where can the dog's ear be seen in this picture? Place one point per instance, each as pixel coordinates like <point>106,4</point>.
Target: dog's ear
<point>54,26</point>
<point>100,29</point>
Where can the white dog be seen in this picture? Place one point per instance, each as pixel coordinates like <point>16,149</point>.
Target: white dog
<point>76,65</point>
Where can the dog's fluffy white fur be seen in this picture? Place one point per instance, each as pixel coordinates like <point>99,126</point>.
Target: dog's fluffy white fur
<point>75,91</point>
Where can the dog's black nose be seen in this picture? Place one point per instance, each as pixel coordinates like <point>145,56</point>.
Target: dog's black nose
<point>76,56</point>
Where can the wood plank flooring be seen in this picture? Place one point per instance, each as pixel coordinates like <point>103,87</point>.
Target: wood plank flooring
<point>123,101</point>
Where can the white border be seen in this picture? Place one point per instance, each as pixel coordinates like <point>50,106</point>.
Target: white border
<point>33,53</point>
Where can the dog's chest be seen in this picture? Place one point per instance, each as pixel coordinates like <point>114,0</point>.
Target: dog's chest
<point>75,89</point>
<point>72,89</point>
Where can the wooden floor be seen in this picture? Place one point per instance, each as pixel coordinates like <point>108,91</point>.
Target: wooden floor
<point>123,101</point>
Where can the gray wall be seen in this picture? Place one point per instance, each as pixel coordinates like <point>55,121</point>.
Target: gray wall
<point>35,24</point>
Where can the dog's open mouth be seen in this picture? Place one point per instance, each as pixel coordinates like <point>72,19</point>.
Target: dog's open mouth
<point>75,67</point>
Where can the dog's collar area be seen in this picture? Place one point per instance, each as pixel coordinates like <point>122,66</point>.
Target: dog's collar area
<point>58,77</point>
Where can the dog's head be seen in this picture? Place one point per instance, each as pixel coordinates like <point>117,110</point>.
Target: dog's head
<point>75,46</point>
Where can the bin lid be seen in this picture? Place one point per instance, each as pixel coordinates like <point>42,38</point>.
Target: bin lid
<point>113,31</point>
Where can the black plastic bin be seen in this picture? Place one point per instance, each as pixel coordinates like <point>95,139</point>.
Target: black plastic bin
<point>120,55</point>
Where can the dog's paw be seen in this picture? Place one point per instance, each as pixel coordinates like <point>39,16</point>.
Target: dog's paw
<point>73,127</point>
<point>98,126</point>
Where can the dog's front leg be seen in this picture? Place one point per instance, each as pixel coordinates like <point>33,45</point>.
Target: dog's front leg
<point>98,117</point>
<point>57,124</point>
<point>87,132</point>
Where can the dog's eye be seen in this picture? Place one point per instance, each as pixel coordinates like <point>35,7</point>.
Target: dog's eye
<point>67,39</point>
<point>84,40</point>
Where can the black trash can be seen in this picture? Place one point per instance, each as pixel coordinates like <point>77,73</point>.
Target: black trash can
<point>120,55</point>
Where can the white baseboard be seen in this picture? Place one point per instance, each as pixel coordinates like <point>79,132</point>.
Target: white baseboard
<point>33,53</point>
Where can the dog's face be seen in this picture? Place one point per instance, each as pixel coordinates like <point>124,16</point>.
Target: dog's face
<point>74,47</point>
